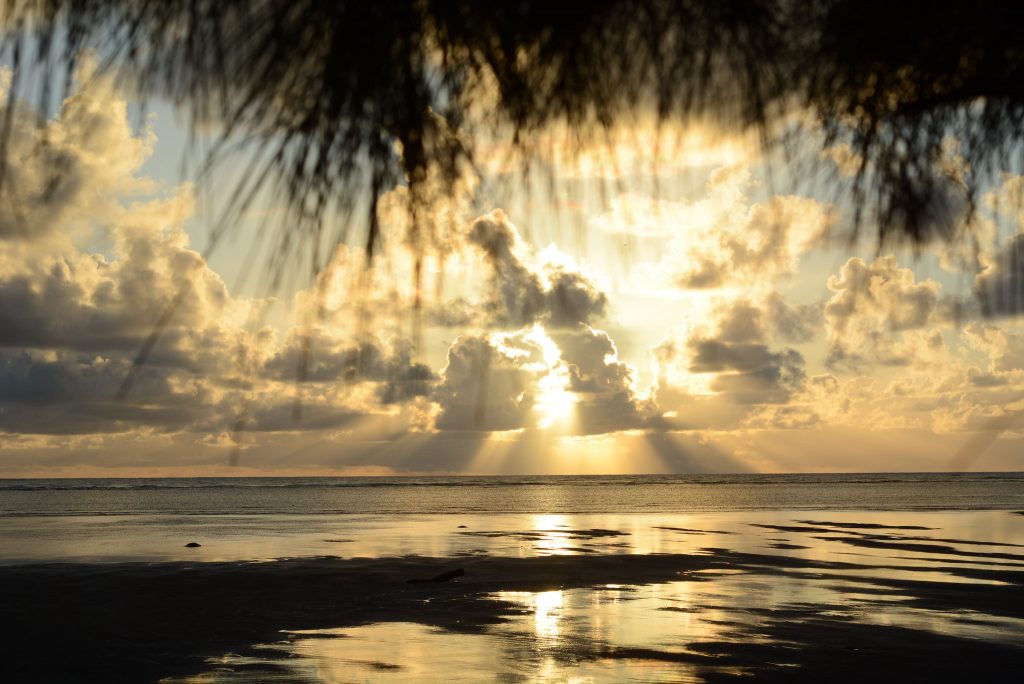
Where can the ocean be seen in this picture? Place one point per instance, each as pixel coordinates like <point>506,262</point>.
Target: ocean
<point>520,494</point>
<point>113,520</point>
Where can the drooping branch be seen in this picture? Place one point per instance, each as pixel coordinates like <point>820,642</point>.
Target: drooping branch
<point>344,96</point>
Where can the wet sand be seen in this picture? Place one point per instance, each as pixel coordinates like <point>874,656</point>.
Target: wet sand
<point>894,602</point>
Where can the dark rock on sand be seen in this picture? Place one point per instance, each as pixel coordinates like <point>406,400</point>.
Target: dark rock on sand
<point>461,527</point>
<point>443,577</point>
<point>193,545</point>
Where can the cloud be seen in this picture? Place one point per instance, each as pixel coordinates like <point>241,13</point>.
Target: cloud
<point>939,393</point>
<point>717,374</point>
<point>527,289</point>
<point>139,266</point>
<point>73,319</point>
<point>747,373</point>
<point>724,239</point>
<point>607,398</point>
<point>794,324</point>
<point>88,266</point>
<point>999,287</point>
<point>764,319</point>
<point>741,322</point>
<point>281,416</point>
<point>998,267</point>
<point>549,365</point>
<point>454,313</point>
<point>489,383</point>
<point>877,313</point>
<point>572,298</point>
<point>317,355</point>
<point>70,170</point>
<point>812,406</point>
<point>91,302</point>
<point>69,393</point>
<point>430,219</point>
<point>1005,350</point>
<point>570,380</point>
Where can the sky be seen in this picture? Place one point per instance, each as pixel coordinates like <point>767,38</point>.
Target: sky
<point>665,305</point>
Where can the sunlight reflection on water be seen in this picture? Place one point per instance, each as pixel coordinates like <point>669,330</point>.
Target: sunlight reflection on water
<point>574,635</point>
<point>746,595</point>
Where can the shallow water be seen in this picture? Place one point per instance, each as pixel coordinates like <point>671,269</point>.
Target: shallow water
<point>760,589</point>
<point>671,632</point>
<point>266,537</point>
<point>675,631</point>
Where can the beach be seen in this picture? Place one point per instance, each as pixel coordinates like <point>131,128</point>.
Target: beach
<point>707,595</point>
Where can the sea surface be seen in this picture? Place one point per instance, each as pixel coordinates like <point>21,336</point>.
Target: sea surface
<point>264,518</point>
<point>520,494</point>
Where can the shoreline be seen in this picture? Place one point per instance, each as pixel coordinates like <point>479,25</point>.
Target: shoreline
<point>781,595</point>
<point>147,621</point>
<point>411,475</point>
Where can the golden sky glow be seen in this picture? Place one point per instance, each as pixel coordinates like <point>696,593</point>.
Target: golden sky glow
<point>661,306</point>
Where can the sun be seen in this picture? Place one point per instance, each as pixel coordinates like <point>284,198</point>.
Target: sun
<point>554,400</point>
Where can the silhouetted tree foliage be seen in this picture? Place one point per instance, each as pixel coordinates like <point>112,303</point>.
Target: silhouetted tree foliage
<point>343,98</point>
